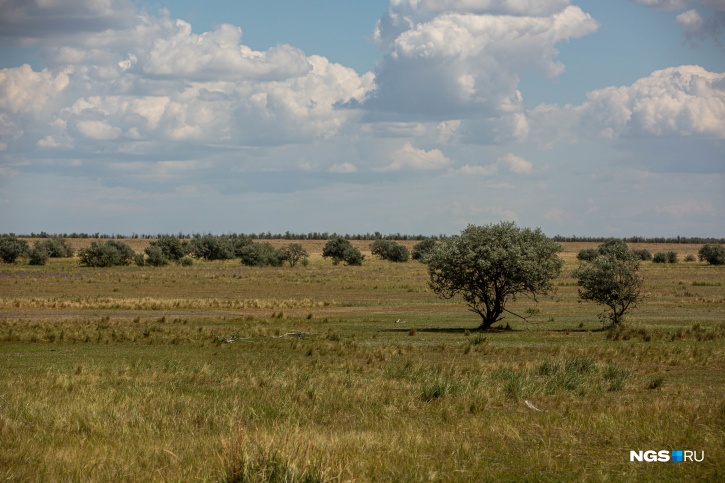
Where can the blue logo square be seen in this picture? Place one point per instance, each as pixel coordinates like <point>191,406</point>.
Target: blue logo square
<point>677,456</point>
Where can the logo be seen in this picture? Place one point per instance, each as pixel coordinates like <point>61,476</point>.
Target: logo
<point>664,456</point>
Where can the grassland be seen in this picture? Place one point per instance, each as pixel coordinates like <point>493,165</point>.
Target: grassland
<point>351,374</point>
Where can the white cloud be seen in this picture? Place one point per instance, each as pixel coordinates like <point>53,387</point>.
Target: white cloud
<point>679,101</point>
<point>218,55</point>
<point>516,164</point>
<point>98,130</point>
<point>510,162</point>
<point>411,157</point>
<point>691,22</point>
<point>461,62</point>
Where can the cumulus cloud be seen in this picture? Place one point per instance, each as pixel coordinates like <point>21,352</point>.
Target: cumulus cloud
<point>464,59</point>
<point>509,162</point>
<point>516,164</point>
<point>686,101</point>
<point>219,55</point>
<point>149,80</point>
<point>410,157</point>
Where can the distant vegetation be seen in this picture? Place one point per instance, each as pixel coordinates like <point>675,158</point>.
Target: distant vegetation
<point>362,236</point>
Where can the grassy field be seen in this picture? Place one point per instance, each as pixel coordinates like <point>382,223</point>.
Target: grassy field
<point>218,371</point>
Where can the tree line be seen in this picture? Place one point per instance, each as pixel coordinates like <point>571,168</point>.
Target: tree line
<point>358,237</point>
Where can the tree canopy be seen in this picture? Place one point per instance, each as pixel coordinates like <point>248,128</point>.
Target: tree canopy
<point>488,266</point>
<point>611,279</point>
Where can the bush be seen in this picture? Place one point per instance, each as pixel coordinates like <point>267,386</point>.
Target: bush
<point>341,250</point>
<point>690,258</point>
<point>56,247</point>
<point>390,250</point>
<point>109,254</point>
<point>186,262</point>
<point>11,248</point>
<point>38,255</point>
<point>643,254</point>
<point>423,248</point>
<point>210,247</point>
<point>587,254</point>
<point>171,248</point>
<point>665,257</point>
<point>260,255</point>
<point>156,256</point>
<point>712,253</point>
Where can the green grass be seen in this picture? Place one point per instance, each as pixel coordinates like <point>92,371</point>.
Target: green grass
<point>218,372</point>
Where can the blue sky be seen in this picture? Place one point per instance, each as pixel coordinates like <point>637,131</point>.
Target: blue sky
<point>414,116</point>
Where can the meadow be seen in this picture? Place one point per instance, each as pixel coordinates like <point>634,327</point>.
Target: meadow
<point>221,372</point>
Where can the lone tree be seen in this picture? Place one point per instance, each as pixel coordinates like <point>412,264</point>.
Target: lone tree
<point>488,266</point>
<point>611,279</point>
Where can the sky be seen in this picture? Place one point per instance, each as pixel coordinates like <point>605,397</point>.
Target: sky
<point>585,118</point>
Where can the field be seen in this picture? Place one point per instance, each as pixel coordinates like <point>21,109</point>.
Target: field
<point>216,371</point>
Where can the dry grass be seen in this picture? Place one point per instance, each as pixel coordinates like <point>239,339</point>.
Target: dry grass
<point>340,373</point>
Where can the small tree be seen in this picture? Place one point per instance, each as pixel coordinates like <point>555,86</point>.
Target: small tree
<point>210,247</point>
<point>293,254</point>
<point>38,255</point>
<point>390,250</point>
<point>712,253</point>
<point>260,255</point>
<point>109,254</point>
<point>56,247</point>
<point>422,249</point>
<point>156,256</point>
<point>171,247</point>
<point>11,248</point>
<point>611,279</point>
<point>341,250</point>
<point>488,266</point>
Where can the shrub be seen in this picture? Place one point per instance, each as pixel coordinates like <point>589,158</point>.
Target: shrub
<point>186,262</point>
<point>211,247</point>
<point>665,257</point>
<point>38,255</point>
<point>109,254</point>
<point>171,248</point>
<point>11,248</point>
<point>390,250</point>
<point>712,253</point>
<point>587,254</point>
<point>156,256</point>
<point>260,255</point>
<point>341,250</point>
<point>643,254</point>
<point>690,258</point>
<point>56,247</point>
<point>423,248</point>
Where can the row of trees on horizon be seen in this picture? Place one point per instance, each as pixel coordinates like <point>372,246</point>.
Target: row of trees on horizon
<point>360,236</point>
